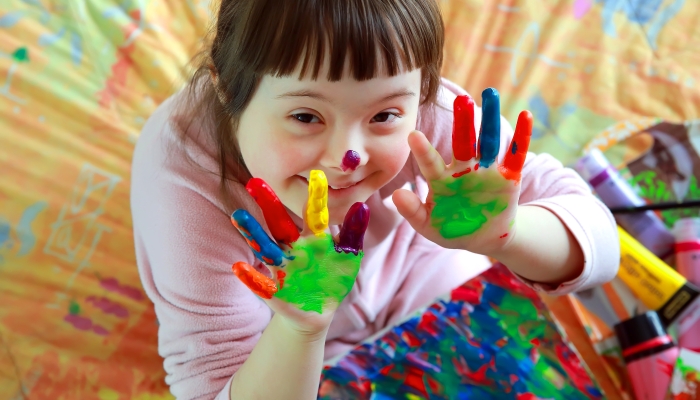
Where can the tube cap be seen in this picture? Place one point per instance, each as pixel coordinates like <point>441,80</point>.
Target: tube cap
<point>639,329</point>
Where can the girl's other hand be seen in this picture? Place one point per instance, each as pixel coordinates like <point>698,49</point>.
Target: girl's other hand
<point>473,201</point>
<point>311,272</point>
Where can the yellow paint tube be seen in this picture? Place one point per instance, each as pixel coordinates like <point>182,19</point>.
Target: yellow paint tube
<point>658,286</point>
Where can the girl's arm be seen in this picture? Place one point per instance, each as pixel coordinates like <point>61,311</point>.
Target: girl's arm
<point>285,364</point>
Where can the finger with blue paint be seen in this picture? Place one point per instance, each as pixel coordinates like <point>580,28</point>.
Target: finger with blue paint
<point>490,132</point>
<point>263,247</point>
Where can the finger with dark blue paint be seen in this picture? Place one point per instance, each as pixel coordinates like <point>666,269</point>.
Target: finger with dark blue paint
<point>263,247</point>
<point>490,133</point>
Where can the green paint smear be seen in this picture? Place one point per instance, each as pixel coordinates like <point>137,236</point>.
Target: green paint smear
<point>21,55</point>
<point>318,274</point>
<point>73,308</point>
<point>463,205</point>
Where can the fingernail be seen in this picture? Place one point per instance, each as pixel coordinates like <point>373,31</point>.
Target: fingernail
<point>354,227</point>
<point>317,208</point>
<point>263,247</point>
<point>257,282</point>
<point>278,220</point>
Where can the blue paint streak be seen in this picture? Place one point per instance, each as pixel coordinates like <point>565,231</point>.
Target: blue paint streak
<point>255,233</point>
<point>25,235</point>
<point>514,148</point>
<point>76,49</point>
<point>490,134</point>
<point>10,19</point>
<point>47,39</point>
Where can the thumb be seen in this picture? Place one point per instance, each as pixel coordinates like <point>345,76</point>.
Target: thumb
<point>412,209</point>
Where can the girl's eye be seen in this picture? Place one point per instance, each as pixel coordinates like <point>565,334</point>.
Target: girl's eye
<point>385,117</point>
<point>306,118</point>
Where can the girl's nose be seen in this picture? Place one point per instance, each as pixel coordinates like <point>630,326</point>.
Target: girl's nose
<point>345,152</point>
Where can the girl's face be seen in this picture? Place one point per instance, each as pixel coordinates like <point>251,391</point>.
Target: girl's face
<point>293,126</point>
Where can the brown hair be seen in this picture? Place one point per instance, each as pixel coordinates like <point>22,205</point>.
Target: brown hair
<point>252,38</point>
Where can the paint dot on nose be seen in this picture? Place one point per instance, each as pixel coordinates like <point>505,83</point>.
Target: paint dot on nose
<point>351,160</point>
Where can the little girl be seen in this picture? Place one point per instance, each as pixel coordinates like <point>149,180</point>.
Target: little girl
<point>329,111</point>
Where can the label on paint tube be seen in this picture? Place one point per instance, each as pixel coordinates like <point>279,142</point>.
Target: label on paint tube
<point>654,282</point>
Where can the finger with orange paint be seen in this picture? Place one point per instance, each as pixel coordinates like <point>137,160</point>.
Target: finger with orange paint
<point>515,157</point>
<point>257,282</point>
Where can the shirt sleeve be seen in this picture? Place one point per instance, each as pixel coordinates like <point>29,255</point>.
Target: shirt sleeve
<point>547,184</point>
<point>209,321</point>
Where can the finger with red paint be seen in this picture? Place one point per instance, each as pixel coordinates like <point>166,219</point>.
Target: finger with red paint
<point>514,159</point>
<point>463,131</point>
<point>281,225</point>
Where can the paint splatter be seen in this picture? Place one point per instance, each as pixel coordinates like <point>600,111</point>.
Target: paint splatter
<point>113,285</point>
<point>475,349</point>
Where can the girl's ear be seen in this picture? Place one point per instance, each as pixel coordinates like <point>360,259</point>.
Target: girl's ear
<point>214,76</point>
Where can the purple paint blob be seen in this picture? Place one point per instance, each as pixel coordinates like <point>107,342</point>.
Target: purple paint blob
<point>350,161</point>
<point>108,306</point>
<point>78,322</point>
<point>113,285</point>
<point>352,234</point>
<point>100,330</point>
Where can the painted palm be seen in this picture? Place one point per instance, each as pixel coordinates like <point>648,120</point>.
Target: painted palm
<point>473,201</point>
<point>310,273</point>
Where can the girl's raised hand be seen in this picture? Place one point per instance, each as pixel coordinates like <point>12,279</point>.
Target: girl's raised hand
<point>311,272</point>
<point>473,201</point>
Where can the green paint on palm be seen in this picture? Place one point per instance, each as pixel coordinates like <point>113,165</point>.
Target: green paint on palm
<point>463,205</point>
<point>318,275</point>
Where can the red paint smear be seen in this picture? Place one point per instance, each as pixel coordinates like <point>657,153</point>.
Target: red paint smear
<point>476,167</point>
<point>280,277</point>
<point>458,174</point>
<point>526,396</point>
<point>113,285</point>
<point>117,81</point>
<point>256,282</point>
<point>503,235</point>
<point>414,379</point>
<point>572,365</point>
<point>278,220</point>
<point>411,339</point>
<point>427,324</point>
<point>469,295</point>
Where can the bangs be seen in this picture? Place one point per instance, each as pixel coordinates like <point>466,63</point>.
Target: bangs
<point>380,37</point>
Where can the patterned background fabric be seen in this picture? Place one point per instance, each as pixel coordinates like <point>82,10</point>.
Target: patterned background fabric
<point>79,78</point>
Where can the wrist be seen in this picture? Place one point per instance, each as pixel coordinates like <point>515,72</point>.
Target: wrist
<point>306,334</point>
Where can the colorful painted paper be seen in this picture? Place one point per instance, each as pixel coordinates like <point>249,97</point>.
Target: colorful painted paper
<point>491,338</point>
<point>685,383</point>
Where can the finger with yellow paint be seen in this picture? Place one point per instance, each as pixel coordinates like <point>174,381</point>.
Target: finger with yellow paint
<point>317,206</point>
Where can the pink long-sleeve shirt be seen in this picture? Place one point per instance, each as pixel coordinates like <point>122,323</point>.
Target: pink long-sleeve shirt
<point>210,322</point>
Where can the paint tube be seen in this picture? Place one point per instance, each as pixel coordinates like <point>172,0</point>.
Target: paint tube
<point>611,302</point>
<point>658,286</point>
<point>614,191</point>
<point>649,353</point>
<point>687,233</point>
